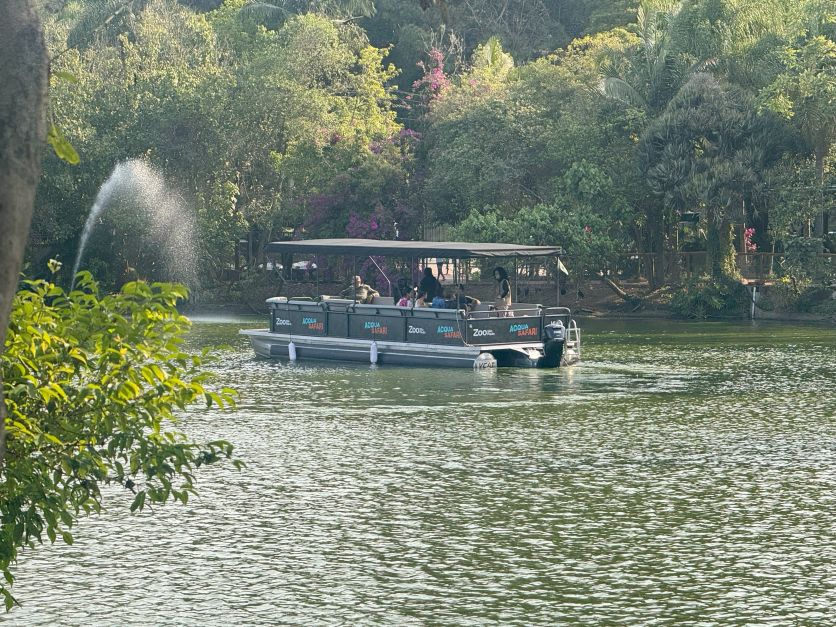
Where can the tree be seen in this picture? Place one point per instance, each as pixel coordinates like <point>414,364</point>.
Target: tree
<point>238,118</point>
<point>274,12</point>
<point>91,384</point>
<point>793,195</point>
<point>88,384</point>
<point>643,80</point>
<point>805,94</point>
<point>706,152</point>
<point>654,70</point>
<point>506,138</point>
<point>23,99</point>
<point>582,231</point>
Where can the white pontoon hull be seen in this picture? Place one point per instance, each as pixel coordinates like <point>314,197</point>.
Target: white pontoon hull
<point>277,345</point>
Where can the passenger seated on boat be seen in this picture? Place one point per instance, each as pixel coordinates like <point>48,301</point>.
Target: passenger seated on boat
<point>404,300</point>
<point>420,300</point>
<point>439,301</point>
<point>401,290</point>
<point>361,292</point>
<point>462,300</point>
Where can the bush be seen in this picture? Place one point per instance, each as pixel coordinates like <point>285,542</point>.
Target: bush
<point>803,261</point>
<point>92,384</point>
<point>703,298</point>
<point>797,296</point>
<point>812,298</point>
<point>827,308</point>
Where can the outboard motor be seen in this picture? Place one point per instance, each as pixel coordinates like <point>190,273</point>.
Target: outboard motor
<point>554,337</point>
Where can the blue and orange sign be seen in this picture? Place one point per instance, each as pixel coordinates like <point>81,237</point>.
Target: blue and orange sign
<point>523,330</point>
<point>313,323</point>
<point>448,331</point>
<point>376,328</point>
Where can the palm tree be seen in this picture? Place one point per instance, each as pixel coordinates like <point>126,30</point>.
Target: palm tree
<point>655,69</point>
<point>654,73</point>
<point>707,150</point>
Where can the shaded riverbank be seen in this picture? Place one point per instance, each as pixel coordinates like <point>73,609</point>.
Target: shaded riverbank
<point>600,304</point>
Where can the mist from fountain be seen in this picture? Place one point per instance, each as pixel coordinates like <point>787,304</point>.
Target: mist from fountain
<point>136,188</point>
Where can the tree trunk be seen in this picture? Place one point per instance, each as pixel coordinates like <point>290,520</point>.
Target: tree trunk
<point>656,228</point>
<point>23,97</point>
<point>720,256</point>
<point>819,228</point>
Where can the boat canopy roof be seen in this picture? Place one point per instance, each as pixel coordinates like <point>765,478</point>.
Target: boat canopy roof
<point>396,248</point>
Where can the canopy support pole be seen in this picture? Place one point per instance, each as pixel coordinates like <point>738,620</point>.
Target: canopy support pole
<point>516,281</point>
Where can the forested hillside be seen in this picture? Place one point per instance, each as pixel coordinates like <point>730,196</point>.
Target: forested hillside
<point>599,125</point>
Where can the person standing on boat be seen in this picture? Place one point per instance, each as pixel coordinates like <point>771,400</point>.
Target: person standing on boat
<point>429,285</point>
<point>503,292</point>
<point>361,292</point>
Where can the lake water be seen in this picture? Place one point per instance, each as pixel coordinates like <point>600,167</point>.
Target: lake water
<point>684,473</point>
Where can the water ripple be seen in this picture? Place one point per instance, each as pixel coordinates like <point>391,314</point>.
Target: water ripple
<point>682,474</point>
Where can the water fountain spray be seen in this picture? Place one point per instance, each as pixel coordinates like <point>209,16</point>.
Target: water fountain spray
<point>138,187</point>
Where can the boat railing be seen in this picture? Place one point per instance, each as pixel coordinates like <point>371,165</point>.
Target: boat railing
<point>573,336</point>
<point>334,317</point>
<point>522,309</point>
<point>488,310</point>
<point>559,311</point>
<point>563,314</point>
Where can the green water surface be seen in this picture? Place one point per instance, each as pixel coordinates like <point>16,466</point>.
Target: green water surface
<point>683,474</point>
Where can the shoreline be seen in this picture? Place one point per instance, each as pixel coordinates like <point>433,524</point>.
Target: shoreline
<point>209,310</point>
<point>594,299</point>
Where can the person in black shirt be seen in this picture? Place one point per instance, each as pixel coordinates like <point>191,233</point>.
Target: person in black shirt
<point>429,286</point>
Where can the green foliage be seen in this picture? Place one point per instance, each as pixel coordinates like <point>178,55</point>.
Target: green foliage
<point>92,385</point>
<point>805,276</point>
<point>506,137</point>
<point>805,91</point>
<point>581,231</point>
<point>798,294</point>
<point>803,264</point>
<point>63,148</point>
<point>706,298</point>
<point>794,195</point>
<point>304,116</point>
<point>826,307</point>
<point>707,152</point>
<point>237,117</point>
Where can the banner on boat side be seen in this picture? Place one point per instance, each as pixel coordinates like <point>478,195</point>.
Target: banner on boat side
<point>434,331</point>
<point>504,330</point>
<point>299,322</point>
<point>371,327</point>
